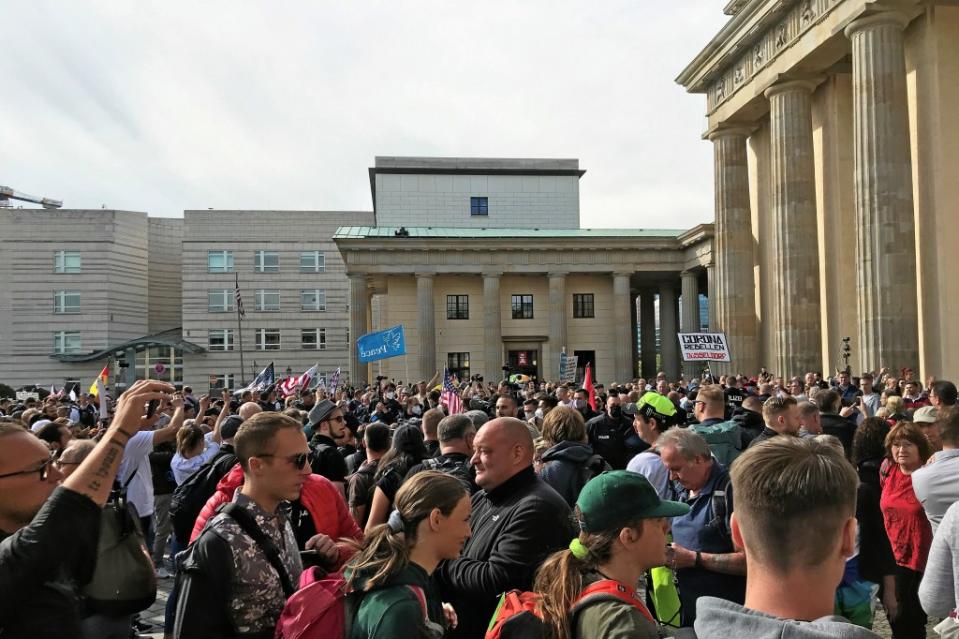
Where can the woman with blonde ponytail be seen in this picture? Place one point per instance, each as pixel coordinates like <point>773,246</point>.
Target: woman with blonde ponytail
<point>390,573</point>
<point>590,589</point>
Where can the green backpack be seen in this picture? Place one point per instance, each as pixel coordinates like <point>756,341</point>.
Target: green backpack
<point>725,440</point>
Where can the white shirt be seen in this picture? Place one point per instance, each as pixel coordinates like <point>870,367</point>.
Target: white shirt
<point>183,467</point>
<point>136,463</point>
<point>652,468</point>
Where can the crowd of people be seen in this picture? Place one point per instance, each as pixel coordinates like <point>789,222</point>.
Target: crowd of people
<point>718,506</point>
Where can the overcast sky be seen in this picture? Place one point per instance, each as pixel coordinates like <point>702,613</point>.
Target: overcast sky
<point>167,106</point>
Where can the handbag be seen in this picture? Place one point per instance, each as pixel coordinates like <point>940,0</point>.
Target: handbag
<point>948,628</point>
<point>123,582</point>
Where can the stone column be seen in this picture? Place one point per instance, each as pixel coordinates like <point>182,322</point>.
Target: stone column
<point>621,327</point>
<point>647,331</point>
<point>796,242</point>
<point>711,297</point>
<point>358,299</point>
<point>557,324</point>
<point>492,327</point>
<point>732,301</point>
<point>690,310</point>
<point>885,233</point>
<point>426,325</point>
<point>669,344</point>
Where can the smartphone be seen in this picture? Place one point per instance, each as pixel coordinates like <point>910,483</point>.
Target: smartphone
<point>152,407</point>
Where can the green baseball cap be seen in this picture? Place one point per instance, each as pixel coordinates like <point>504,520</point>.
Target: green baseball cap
<point>652,404</point>
<point>620,497</point>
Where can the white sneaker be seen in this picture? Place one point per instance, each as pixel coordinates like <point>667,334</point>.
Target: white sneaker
<point>162,573</point>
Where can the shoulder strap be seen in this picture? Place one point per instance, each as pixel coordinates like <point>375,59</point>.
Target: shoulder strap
<point>720,502</point>
<point>609,590</point>
<point>250,527</point>
<point>421,598</point>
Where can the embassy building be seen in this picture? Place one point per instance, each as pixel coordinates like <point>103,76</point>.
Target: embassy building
<point>482,261</point>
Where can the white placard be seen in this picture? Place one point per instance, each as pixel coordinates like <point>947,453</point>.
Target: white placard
<point>704,347</point>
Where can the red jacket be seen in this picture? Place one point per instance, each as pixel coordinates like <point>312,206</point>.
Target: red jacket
<point>320,497</point>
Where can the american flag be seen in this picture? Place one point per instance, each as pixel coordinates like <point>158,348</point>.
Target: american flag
<point>239,299</point>
<point>290,385</point>
<point>450,396</point>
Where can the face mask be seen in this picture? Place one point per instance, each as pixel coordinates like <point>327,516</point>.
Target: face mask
<point>616,411</point>
<point>579,404</point>
<point>417,410</point>
<point>538,413</point>
<point>529,415</point>
<point>390,395</point>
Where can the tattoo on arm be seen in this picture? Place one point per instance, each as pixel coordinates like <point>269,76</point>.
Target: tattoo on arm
<point>107,464</point>
<point>732,563</point>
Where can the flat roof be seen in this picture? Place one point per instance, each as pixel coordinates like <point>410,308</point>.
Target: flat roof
<point>361,232</point>
<point>475,164</point>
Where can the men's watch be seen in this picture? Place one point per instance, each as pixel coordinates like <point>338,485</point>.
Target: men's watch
<point>699,560</point>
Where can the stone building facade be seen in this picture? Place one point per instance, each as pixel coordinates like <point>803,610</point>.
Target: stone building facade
<point>835,180</point>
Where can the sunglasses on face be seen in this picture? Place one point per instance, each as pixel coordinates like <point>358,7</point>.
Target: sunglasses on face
<point>43,470</point>
<point>300,460</point>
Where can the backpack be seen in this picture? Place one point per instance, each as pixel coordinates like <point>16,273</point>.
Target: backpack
<point>460,470</point>
<point>594,466</point>
<point>516,617</point>
<point>719,500</point>
<point>324,607</point>
<point>190,496</point>
<point>725,440</point>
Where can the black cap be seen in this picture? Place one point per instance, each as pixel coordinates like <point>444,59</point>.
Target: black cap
<point>229,426</point>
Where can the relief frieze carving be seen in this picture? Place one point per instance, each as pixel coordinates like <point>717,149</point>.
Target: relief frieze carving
<point>791,26</point>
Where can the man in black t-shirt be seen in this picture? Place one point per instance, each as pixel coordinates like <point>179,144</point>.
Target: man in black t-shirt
<point>734,394</point>
<point>328,425</point>
<point>456,433</point>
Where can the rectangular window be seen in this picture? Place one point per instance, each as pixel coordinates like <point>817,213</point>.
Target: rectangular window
<point>266,262</point>
<point>221,300</point>
<point>312,262</point>
<point>313,299</point>
<point>583,305</point>
<point>457,307</point>
<point>220,339</point>
<point>66,262</point>
<point>267,339</point>
<point>479,206</point>
<point>313,339</point>
<point>219,261</point>
<point>266,300</point>
<point>66,302</point>
<point>65,342</point>
<point>522,306</point>
<point>221,381</point>
<point>459,365</point>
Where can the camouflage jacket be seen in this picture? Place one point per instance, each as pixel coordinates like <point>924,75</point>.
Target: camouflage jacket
<point>231,582</point>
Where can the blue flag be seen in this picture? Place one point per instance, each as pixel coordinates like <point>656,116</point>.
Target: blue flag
<point>381,345</point>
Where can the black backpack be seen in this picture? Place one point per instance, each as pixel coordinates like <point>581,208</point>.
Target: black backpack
<point>190,496</point>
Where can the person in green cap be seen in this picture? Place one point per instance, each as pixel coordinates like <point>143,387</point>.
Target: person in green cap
<point>590,589</point>
<point>652,416</point>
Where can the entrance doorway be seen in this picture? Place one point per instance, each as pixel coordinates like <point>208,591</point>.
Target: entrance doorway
<point>524,362</point>
<point>582,359</point>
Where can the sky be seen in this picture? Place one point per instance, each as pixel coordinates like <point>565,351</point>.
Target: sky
<point>166,106</point>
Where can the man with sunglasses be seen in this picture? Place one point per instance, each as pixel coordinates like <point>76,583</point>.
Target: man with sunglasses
<point>48,530</point>
<point>327,425</point>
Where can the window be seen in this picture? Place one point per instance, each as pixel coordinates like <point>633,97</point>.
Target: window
<point>479,206</point>
<point>457,307</point>
<point>219,261</point>
<point>522,307</point>
<point>266,262</point>
<point>66,262</point>
<point>66,302</point>
<point>312,262</point>
<point>266,300</point>
<point>459,365</point>
<point>267,339</point>
<point>313,299</point>
<point>583,305</point>
<point>221,300</point>
<point>221,381</point>
<point>65,342</point>
<point>313,339</point>
<point>220,339</point>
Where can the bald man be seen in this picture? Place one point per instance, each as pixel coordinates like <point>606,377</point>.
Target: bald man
<point>517,520</point>
<point>248,410</point>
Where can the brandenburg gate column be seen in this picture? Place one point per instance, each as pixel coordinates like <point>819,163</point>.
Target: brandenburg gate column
<point>492,327</point>
<point>668,328</point>
<point>885,237</point>
<point>795,239</point>
<point>427,325</point>
<point>358,301</point>
<point>732,302</point>
<point>690,305</point>
<point>557,323</point>
<point>622,327</point>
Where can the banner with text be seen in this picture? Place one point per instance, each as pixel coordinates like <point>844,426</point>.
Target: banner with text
<point>381,345</point>
<point>567,368</point>
<point>708,347</point>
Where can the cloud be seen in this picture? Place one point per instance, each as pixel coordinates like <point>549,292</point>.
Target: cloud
<point>170,106</point>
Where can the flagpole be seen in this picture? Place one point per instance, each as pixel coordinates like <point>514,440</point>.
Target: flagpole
<point>239,327</point>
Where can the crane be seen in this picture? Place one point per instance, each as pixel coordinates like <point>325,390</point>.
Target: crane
<point>7,194</point>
